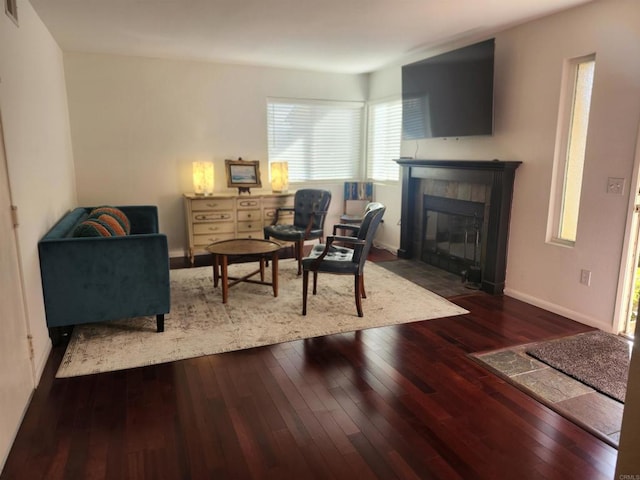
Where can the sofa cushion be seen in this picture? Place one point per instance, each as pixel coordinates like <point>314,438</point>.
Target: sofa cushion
<point>93,227</point>
<point>116,214</point>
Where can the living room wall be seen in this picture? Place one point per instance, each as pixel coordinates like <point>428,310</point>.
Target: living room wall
<point>528,73</point>
<point>35,123</point>
<point>138,123</point>
<point>33,104</point>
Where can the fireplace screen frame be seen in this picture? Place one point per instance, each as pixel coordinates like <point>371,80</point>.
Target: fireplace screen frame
<point>467,218</point>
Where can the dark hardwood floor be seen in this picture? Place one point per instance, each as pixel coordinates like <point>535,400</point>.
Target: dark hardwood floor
<point>394,402</point>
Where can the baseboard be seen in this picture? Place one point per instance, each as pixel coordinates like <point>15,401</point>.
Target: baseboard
<point>557,309</point>
<point>387,247</point>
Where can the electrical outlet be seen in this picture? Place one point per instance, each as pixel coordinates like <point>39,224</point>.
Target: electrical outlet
<point>585,277</point>
<point>615,186</point>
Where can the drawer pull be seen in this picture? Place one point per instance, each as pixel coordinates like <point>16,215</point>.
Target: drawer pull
<point>213,216</point>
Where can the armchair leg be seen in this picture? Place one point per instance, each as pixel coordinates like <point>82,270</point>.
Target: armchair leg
<point>160,322</point>
<point>363,293</point>
<point>358,291</point>
<point>299,245</point>
<point>315,282</point>
<point>305,287</point>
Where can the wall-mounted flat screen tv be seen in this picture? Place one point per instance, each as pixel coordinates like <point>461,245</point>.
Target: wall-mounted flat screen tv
<point>449,95</point>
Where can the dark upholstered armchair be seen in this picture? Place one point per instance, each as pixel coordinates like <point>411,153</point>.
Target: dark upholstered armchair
<point>342,260</point>
<point>309,212</point>
<point>354,226</point>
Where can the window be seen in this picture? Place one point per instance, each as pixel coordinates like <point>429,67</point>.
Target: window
<point>321,140</point>
<point>383,140</point>
<point>570,148</point>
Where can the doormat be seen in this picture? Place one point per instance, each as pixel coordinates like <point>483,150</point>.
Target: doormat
<point>598,359</point>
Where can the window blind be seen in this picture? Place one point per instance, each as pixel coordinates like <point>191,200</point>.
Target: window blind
<point>384,136</point>
<point>321,140</point>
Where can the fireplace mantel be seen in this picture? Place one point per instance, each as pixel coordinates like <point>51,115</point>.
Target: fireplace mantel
<point>498,175</point>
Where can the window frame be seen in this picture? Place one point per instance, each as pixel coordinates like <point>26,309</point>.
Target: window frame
<point>393,102</point>
<point>294,163</point>
<point>562,152</point>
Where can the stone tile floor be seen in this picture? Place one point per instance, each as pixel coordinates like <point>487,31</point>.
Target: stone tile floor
<point>595,412</point>
<point>441,282</point>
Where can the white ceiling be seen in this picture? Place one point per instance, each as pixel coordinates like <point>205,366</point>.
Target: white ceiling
<point>350,36</point>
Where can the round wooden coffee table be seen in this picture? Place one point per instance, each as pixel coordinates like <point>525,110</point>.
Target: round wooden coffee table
<point>243,247</point>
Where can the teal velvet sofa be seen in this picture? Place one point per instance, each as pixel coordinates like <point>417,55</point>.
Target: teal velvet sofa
<point>97,279</point>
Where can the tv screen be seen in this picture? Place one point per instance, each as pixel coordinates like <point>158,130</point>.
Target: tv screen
<point>449,95</point>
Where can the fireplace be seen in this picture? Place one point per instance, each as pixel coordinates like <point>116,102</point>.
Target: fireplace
<point>455,215</point>
<point>452,234</point>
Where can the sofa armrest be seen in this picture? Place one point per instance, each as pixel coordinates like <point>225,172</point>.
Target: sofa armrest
<point>104,278</point>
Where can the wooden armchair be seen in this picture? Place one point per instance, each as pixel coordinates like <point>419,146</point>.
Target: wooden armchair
<point>342,260</point>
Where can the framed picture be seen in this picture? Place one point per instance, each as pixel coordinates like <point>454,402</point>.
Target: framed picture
<point>243,174</point>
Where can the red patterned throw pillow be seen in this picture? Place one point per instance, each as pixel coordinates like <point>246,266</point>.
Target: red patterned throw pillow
<point>117,214</point>
<point>93,228</point>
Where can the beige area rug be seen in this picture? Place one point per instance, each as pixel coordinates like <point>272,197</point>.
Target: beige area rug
<point>199,324</point>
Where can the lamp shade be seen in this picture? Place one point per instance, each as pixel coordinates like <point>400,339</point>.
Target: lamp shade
<point>203,178</point>
<point>279,177</point>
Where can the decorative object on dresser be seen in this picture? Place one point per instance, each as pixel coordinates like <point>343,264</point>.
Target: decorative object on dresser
<point>279,177</point>
<point>341,260</point>
<point>243,174</point>
<point>223,217</point>
<point>203,178</point>
<point>309,212</point>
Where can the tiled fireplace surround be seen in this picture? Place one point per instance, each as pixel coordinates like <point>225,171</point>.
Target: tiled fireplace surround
<point>478,189</point>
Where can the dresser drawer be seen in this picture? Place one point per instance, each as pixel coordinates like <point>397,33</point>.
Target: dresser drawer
<point>249,226</point>
<point>222,216</point>
<point>243,203</point>
<point>249,215</point>
<point>212,204</point>
<point>253,234</point>
<point>284,217</point>
<point>273,202</point>
<point>213,228</point>
<point>201,241</point>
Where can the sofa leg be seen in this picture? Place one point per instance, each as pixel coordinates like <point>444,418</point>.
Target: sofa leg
<point>160,322</point>
<point>60,335</point>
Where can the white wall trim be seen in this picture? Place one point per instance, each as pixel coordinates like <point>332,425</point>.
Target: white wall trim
<point>560,310</point>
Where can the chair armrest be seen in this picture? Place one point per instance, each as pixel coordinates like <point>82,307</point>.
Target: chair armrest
<point>345,226</point>
<point>346,239</point>
<point>328,246</point>
<point>277,215</point>
<point>311,220</point>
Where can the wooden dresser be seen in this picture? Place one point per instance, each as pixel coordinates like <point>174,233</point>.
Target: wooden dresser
<point>222,217</point>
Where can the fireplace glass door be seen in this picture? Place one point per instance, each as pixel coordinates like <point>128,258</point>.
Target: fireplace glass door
<point>452,237</point>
